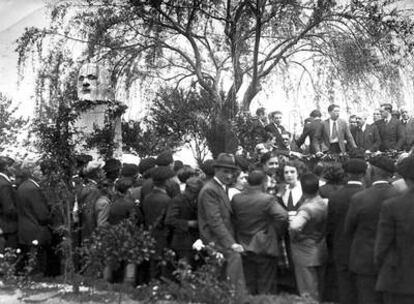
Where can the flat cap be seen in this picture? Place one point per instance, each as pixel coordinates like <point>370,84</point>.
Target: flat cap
<point>164,159</point>
<point>194,184</point>
<point>406,167</point>
<point>160,174</point>
<point>383,162</point>
<point>355,166</point>
<point>146,164</point>
<point>129,170</point>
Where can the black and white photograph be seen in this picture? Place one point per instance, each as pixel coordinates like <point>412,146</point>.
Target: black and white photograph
<point>207,151</point>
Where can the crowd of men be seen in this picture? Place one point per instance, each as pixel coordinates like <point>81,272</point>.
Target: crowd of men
<point>390,130</point>
<point>338,232</point>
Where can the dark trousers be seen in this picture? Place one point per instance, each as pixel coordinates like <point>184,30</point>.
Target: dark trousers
<point>334,148</point>
<point>366,289</point>
<point>346,285</point>
<point>259,272</point>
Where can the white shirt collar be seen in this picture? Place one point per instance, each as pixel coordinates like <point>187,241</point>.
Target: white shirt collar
<point>5,176</point>
<point>354,183</point>
<point>379,182</point>
<point>220,183</point>
<point>364,126</point>
<point>296,194</point>
<point>35,183</point>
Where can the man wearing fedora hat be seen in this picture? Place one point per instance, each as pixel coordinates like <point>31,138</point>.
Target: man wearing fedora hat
<point>214,218</point>
<point>361,226</point>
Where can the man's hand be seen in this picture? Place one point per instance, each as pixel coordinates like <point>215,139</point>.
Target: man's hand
<point>237,248</point>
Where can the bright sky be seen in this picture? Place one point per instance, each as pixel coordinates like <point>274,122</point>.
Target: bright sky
<point>11,11</point>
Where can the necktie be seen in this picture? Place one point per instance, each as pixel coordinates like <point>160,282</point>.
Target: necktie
<point>290,205</point>
<point>334,131</point>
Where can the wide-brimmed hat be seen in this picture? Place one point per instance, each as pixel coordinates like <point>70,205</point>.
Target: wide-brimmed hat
<point>225,160</point>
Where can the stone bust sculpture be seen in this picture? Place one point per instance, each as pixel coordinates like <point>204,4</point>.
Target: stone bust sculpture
<point>94,83</point>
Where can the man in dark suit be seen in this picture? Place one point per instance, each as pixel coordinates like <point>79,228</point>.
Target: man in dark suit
<point>8,212</point>
<point>33,214</point>
<point>258,126</point>
<point>154,209</point>
<point>336,134</point>
<point>258,219</point>
<point>366,136</point>
<point>214,219</point>
<point>408,126</point>
<point>275,128</point>
<point>394,245</point>
<point>361,227</point>
<point>313,130</point>
<point>390,130</point>
<point>182,217</point>
<point>336,238</point>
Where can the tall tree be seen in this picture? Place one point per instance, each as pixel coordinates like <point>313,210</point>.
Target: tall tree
<point>225,47</point>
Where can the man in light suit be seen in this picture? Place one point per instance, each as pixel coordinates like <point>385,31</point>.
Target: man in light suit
<point>258,220</point>
<point>336,133</point>
<point>214,219</point>
<point>361,226</point>
<point>394,246</point>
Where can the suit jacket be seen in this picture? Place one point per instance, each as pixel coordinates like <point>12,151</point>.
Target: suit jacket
<point>314,131</point>
<point>337,209</point>
<point>214,216</point>
<point>34,216</point>
<point>394,245</point>
<point>344,133</point>
<point>408,134</point>
<point>255,214</point>
<point>392,134</point>
<point>154,209</point>
<point>274,132</point>
<point>361,226</point>
<point>183,208</point>
<point>369,139</point>
<point>258,129</point>
<point>8,211</point>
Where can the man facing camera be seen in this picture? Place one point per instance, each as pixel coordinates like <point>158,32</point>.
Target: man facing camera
<point>390,130</point>
<point>336,133</point>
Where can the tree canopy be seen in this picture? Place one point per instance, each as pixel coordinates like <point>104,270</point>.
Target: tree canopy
<point>226,48</point>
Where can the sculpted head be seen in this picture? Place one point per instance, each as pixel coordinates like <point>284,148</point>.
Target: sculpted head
<point>94,83</point>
